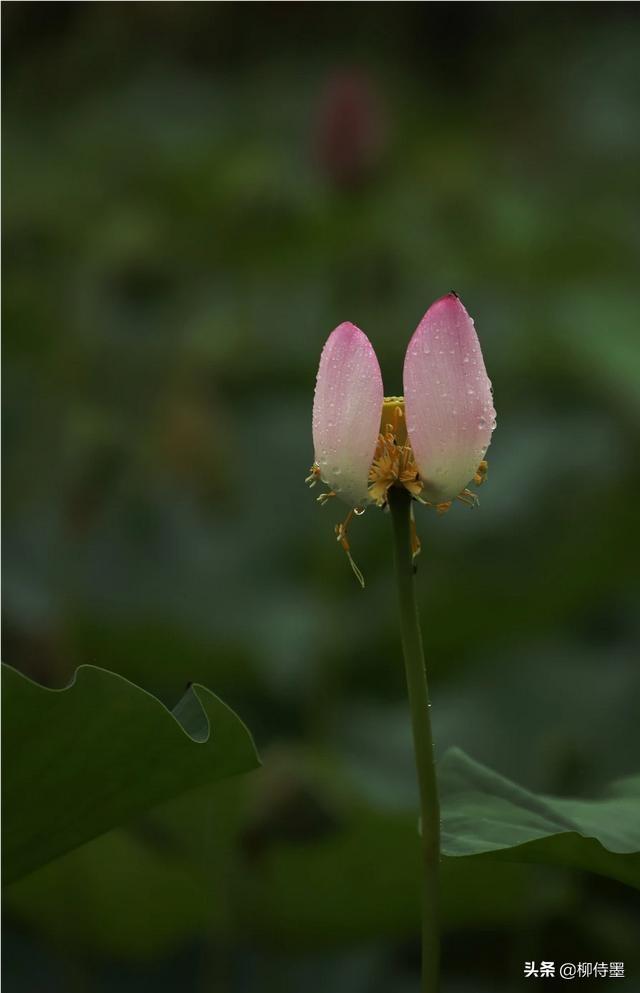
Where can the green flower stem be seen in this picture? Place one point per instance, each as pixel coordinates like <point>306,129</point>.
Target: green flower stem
<point>400,504</point>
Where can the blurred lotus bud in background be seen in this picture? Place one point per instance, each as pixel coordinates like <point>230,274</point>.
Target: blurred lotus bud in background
<point>350,129</point>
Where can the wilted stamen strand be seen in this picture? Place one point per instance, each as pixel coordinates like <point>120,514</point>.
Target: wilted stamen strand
<point>322,499</point>
<point>341,535</point>
<point>468,498</point>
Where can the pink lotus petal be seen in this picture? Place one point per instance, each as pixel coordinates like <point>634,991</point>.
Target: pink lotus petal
<point>346,412</point>
<point>449,406</point>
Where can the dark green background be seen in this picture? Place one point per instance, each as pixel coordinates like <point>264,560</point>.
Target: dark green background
<point>194,196</point>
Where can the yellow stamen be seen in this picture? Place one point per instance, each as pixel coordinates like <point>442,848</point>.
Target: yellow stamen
<point>481,473</point>
<point>314,475</point>
<point>393,463</point>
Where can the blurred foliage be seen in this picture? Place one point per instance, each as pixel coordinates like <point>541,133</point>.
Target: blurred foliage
<point>194,196</point>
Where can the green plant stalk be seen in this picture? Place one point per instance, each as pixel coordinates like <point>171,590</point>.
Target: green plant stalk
<point>400,504</point>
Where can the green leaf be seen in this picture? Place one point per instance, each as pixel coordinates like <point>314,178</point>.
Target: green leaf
<point>81,760</point>
<point>485,813</point>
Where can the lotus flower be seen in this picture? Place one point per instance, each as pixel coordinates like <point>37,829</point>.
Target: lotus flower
<point>432,441</point>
